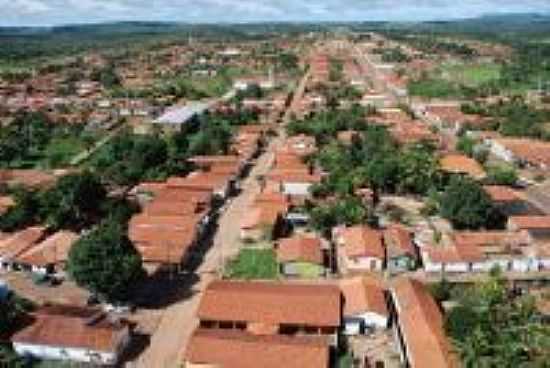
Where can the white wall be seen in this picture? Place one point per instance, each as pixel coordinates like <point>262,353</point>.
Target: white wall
<point>59,353</point>
<point>364,263</point>
<point>296,189</point>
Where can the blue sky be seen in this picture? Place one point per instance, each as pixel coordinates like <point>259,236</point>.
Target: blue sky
<point>52,12</point>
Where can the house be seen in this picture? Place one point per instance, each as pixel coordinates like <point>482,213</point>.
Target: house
<point>510,251</point>
<point>300,256</point>
<point>265,218</point>
<point>73,334</point>
<point>165,240</point>
<point>294,182</point>
<point>538,227</point>
<point>419,328</point>
<point>507,200</point>
<point>50,255</point>
<point>272,308</point>
<point>359,248</point>
<point>462,165</point>
<point>365,306</point>
<point>525,152</point>
<point>16,244</point>
<point>451,259</point>
<point>6,202</point>
<point>236,349</point>
<point>401,252</point>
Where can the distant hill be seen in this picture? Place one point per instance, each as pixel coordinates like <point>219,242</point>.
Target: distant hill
<point>490,24</point>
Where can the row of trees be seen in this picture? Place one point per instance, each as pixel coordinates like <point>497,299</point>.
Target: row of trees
<point>493,326</point>
<point>374,160</point>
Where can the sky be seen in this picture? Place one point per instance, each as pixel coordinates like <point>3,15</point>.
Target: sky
<point>55,12</point>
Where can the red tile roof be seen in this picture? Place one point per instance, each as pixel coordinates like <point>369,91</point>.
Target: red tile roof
<point>363,294</point>
<point>235,349</point>
<point>361,241</point>
<point>54,249</point>
<point>422,325</point>
<point>271,303</point>
<point>60,328</point>
<point>499,193</point>
<point>398,241</point>
<point>460,164</point>
<point>530,222</point>
<point>300,249</point>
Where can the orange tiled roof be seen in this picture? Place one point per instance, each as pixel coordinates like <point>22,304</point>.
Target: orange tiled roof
<point>363,294</point>
<point>271,303</point>
<point>399,242</point>
<point>460,164</point>
<point>530,222</point>
<point>236,349</point>
<point>54,327</point>
<point>300,249</point>
<point>499,193</point>
<point>422,325</point>
<point>362,241</point>
<point>54,249</point>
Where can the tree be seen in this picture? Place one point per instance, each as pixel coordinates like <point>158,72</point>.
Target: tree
<point>106,262</point>
<point>24,213</point>
<point>346,211</point>
<point>418,170</point>
<point>467,205</point>
<point>502,175</point>
<point>75,201</point>
<point>493,327</point>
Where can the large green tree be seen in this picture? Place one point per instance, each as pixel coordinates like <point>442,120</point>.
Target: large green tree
<point>492,327</point>
<point>106,262</point>
<point>467,205</point>
<point>74,201</point>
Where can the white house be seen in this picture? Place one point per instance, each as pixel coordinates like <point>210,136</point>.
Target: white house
<point>72,334</point>
<point>359,248</point>
<point>365,306</point>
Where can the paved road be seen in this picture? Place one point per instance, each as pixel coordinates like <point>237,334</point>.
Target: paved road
<point>168,343</point>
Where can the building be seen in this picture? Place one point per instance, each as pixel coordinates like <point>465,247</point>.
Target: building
<point>359,248</point>
<point>365,306</point>
<point>50,255</point>
<point>538,227</point>
<point>462,165</point>
<point>236,349</point>
<point>401,252</point>
<point>524,152</point>
<point>272,308</point>
<point>301,256</point>
<point>18,243</point>
<point>419,327</point>
<point>72,334</point>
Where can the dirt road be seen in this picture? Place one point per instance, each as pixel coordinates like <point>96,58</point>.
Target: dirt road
<point>167,345</point>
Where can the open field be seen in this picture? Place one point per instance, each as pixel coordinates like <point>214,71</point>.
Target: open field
<point>470,75</point>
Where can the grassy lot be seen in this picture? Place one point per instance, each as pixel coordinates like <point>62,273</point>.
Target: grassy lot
<point>60,151</point>
<point>308,270</point>
<point>254,264</point>
<point>470,75</point>
<point>434,88</point>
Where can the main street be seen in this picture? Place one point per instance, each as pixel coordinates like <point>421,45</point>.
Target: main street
<point>170,338</point>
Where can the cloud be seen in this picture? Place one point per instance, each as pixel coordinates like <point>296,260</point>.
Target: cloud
<point>48,12</point>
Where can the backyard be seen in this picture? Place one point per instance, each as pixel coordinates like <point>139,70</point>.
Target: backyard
<point>254,264</point>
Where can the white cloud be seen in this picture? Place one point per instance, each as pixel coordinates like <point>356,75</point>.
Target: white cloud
<point>33,12</point>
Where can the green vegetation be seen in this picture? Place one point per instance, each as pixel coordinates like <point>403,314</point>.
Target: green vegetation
<point>471,75</point>
<point>73,202</point>
<point>33,140</point>
<point>392,55</point>
<point>502,175</point>
<point>468,206</point>
<point>435,88</point>
<point>254,264</point>
<point>493,327</point>
<point>346,211</point>
<point>105,262</point>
